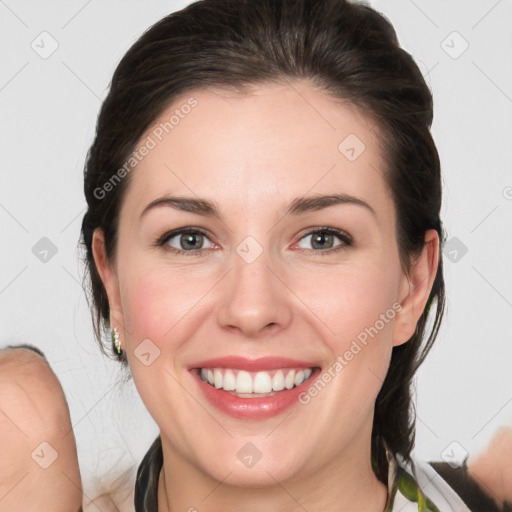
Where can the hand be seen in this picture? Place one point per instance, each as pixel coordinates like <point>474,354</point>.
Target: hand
<point>492,469</point>
<point>39,466</point>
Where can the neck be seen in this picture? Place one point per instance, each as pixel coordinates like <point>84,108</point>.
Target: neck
<point>346,483</point>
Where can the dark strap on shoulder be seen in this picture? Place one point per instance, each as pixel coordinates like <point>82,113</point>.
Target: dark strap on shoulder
<point>146,484</point>
<point>467,488</point>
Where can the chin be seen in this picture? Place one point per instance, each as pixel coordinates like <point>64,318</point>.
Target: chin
<point>260,475</point>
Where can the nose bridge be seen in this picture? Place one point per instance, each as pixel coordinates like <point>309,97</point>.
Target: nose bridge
<point>253,297</point>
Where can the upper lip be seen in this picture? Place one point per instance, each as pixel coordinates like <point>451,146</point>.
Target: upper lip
<point>252,365</point>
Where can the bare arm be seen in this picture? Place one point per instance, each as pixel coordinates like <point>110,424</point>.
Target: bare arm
<point>39,467</point>
<point>492,468</point>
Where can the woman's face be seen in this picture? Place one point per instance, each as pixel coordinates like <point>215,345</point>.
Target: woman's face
<point>289,267</point>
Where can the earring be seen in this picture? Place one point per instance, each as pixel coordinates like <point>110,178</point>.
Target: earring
<point>116,341</point>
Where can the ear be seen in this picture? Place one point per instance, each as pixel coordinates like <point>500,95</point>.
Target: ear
<point>415,288</point>
<point>109,278</point>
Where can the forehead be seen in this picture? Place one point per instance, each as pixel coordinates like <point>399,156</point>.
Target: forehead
<point>245,147</point>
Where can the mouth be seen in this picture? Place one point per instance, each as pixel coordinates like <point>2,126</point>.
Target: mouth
<point>253,389</point>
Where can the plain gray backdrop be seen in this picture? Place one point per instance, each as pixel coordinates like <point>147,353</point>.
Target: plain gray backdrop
<point>57,62</point>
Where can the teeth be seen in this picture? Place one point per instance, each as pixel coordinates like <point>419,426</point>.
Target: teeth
<point>289,380</point>
<point>243,382</point>
<point>299,378</point>
<point>217,378</point>
<point>256,383</point>
<point>278,381</point>
<point>262,383</point>
<point>229,383</point>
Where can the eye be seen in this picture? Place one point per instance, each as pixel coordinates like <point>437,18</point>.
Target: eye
<point>324,240</point>
<point>185,241</point>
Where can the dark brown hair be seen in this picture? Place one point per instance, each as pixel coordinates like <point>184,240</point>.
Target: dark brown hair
<point>348,50</point>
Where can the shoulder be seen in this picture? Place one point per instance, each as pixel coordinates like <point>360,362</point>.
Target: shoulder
<point>37,443</point>
<point>414,485</point>
<point>452,488</point>
<point>441,492</point>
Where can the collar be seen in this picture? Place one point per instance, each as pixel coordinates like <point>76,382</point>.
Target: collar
<point>404,493</point>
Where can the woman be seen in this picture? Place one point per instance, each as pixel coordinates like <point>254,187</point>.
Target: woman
<point>263,238</point>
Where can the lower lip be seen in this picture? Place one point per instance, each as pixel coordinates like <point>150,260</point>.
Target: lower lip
<point>253,408</point>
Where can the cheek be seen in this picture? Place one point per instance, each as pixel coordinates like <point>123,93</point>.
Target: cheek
<point>354,309</point>
<point>155,301</point>
<point>157,306</point>
<point>352,302</point>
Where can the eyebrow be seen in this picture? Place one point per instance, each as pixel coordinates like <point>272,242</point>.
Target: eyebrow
<point>297,206</point>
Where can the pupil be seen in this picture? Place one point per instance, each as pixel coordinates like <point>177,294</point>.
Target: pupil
<point>189,239</point>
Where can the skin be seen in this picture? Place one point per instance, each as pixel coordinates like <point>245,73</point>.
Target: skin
<point>491,468</point>
<point>33,410</point>
<point>252,154</point>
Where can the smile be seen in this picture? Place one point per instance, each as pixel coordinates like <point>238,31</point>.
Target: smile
<point>253,389</point>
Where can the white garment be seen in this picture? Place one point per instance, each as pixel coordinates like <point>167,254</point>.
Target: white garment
<point>435,487</point>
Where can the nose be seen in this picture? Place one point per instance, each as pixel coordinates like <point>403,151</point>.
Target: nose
<point>255,300</point>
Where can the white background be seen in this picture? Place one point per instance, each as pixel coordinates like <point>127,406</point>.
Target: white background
<point>49,108</point>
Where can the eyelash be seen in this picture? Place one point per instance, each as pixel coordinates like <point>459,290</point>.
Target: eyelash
<point>345,238</point>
